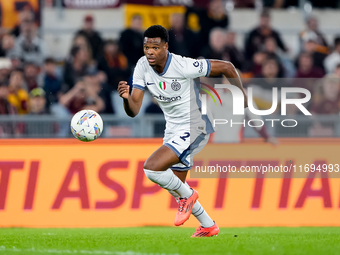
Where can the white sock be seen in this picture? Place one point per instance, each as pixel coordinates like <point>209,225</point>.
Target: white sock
<point>197,210</point>
<point>168,180</point>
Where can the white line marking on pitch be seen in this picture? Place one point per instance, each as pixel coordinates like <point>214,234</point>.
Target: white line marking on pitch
<point>14,249</point>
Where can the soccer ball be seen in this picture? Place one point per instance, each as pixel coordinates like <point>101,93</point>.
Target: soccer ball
<point>86,125</point>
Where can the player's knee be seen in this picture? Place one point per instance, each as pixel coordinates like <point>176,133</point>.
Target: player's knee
<point>150,165</point>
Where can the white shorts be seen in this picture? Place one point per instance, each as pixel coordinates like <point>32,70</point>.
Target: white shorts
<point>186,144</point>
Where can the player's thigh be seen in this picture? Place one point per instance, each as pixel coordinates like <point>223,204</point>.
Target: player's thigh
<point>161,159</point>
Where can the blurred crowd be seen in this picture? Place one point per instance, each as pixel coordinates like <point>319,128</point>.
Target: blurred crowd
<point>33,83</point>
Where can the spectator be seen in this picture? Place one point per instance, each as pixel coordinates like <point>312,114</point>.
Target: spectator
<point>256,38</point>
<point>180,38</point>
<point>5,107</point>
<point>231,52</point>
<point>28,46</point>
<point>18,97</point>
<point>75,68</point>
<point>313,30</point>
<point>253,68</point>
<point>84,95</point>
<point>307,74</point>
<point>31,72</point>
<point>105,92</point>
<point>333,59</point>
<point>7,44</point>
<point>287,67</point>
<point>51,83</point>
<point>215,16</point>
<point>310,47</point>
<point>92,36</point>
<point>15,60</point>
<point>82,42</point>
<point>37,102</point>
<point>215,48</point>
<point>5,69</point>
<point>131,40</point>
<point>38,107</point>
<point>6,128</point>
<point>25,15</point>
<point>328,102</point>
<point>114,64</point>
<point>222,46</point>
<point>306,68</point>
<point>262,88</point>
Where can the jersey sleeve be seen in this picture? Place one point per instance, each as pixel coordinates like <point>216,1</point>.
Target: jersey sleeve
<point>194,68</point>
<point>138,77</point>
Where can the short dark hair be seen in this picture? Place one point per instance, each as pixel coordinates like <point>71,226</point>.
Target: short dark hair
<point>50,60</point>
<point>111,42</point>
<point>157,31</point>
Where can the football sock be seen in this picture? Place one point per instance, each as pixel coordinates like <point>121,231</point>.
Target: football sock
<point>197,210</point>
<point>168,180</point>
<point>175,195</point>
<point>200,214</point>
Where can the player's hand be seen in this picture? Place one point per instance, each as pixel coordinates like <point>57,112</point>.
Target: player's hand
<point>123,89</point>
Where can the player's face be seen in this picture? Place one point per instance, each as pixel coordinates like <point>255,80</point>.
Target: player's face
<point>155,51</point>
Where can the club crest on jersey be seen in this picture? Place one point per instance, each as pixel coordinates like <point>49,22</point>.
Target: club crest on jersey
<point>162,85</point>
<point>175,85</point>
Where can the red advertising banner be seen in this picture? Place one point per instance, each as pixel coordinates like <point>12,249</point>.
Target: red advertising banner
<point>67,183</point>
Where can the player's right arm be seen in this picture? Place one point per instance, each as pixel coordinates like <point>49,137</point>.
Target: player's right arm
<point>133,102</point>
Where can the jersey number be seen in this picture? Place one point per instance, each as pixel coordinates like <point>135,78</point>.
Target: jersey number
<point>186,135</point>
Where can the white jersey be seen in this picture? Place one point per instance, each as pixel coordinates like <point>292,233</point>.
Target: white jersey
<point>175,90</point>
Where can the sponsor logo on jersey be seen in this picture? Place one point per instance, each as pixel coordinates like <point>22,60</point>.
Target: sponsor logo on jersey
<point>167,99</point>
<point>201,67</point>
<point>175,85</point>
<point>150,83</point>
<point>196,64</point>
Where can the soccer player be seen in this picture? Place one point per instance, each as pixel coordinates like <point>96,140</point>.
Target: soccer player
<point>169,78</point>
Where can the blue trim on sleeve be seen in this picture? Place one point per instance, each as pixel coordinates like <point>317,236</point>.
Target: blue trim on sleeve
<point>209,67</point>
<point>136,86</point>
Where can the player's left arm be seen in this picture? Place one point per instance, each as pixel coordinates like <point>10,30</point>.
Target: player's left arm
<point>226,68</point>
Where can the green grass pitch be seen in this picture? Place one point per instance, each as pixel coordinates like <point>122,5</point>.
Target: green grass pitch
<point>170,240</point>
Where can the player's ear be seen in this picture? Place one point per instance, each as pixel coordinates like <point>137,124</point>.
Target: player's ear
<point>166,45</point>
